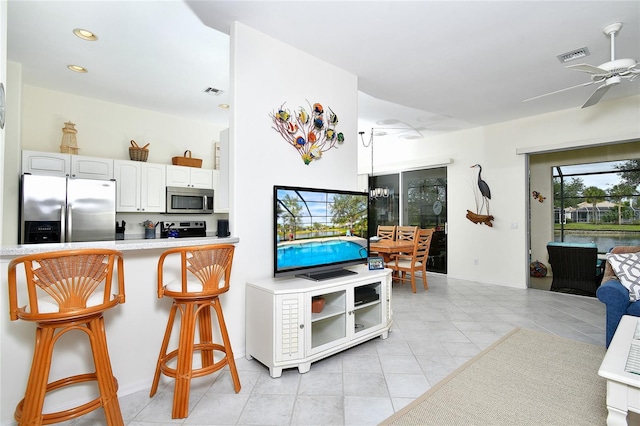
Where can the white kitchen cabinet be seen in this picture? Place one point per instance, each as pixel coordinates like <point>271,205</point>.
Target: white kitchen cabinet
<point>283,332</point>
<point>140,186</point>
<point>59,164</point>
<point>91,167</point>
<point>220,204</point>
<point>189,177</point>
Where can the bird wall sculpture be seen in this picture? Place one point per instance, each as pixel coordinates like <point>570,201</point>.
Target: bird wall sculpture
<point>485,196</point>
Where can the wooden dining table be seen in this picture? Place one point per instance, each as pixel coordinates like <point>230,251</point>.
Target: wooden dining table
<point>387,247</point>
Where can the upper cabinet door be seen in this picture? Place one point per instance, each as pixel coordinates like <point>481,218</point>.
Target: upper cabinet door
<point>91,168</point>
<point>127,185</point>
<point>189,177</point>
<point>46,163</point>
<point>202,178</point>
<point>153,194</point>
<point>178,176</point>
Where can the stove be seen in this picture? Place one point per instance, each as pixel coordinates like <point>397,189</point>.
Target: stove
<point>183,229</point>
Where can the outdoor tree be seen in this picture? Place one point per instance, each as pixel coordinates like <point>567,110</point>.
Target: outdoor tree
<point>593,195</point>
<point>573,189</point>
<point>348,210</point>
<point>630,174</point>
<point>292,207</point>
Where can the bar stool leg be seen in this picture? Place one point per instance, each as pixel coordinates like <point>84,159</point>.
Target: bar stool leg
<point>106,381</point>
<point>29,410</point>
<point>227,345</point>
<point>185,362</point>
<point>206,334</point>
<point>163,348</point>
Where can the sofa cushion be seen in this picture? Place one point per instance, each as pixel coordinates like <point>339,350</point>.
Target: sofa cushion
<point>627,268</point>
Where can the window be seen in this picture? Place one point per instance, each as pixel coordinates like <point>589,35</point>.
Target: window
<point>598,202</point>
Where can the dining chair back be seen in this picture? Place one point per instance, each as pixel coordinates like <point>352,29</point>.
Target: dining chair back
<point>67,290</point>
<point>406,233</point>
<point>386,232</point>
<point>417,261</point>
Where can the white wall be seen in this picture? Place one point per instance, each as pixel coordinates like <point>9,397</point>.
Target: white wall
<point>265,74</point>
<point>502,250</point>
<point>105,129</point>
<point>3,80</point>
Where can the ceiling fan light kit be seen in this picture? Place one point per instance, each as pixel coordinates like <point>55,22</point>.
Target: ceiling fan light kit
<point>610,73</point>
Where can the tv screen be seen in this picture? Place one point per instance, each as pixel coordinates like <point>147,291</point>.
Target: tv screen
<point>319,231</point>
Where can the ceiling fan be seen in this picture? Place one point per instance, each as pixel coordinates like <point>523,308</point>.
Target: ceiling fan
<point>610,73</point>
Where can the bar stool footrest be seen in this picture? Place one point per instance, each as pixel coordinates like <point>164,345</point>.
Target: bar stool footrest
<point>199,372</point>
<point>71,413</point>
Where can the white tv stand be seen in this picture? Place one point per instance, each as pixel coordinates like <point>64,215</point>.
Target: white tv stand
<point>282,332</point>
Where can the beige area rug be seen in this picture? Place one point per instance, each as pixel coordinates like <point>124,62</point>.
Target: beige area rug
<point>526,378</point>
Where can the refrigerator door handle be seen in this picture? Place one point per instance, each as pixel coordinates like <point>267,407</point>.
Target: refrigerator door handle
<point>63,223</point>
<point>68,236</point>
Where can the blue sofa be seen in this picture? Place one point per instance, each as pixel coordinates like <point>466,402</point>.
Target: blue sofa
<point>616,296</point>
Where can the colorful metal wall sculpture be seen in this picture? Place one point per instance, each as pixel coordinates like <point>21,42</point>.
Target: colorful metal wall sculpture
<point>310,134</point>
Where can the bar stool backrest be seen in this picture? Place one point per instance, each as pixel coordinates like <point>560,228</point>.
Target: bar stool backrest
<point>204,270</point>
<point>66,284</point>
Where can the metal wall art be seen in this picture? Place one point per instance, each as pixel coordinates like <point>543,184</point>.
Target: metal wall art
<point>538,196</point>
<point>482,202</point>
<point>310,134</point>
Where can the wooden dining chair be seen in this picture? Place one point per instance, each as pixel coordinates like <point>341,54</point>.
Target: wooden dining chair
<point>406,233</point>
<point>404,264</point>
<point>386,232</point>
<point>64,292</point>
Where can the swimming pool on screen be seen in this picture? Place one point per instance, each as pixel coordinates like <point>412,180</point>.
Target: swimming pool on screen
<point>300,254</point>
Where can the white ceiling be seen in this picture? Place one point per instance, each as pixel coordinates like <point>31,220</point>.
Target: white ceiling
<point>429,66</point>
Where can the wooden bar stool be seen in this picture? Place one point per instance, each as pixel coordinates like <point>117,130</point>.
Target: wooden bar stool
<point>205,272</point>
<point>67,290</point>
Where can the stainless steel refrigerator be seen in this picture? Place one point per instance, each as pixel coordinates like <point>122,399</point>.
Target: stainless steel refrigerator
<point>58,209</point>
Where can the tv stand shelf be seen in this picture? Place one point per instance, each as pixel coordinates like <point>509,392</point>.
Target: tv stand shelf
<point>283,332</point>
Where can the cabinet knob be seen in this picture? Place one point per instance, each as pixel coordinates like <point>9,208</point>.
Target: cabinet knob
<point>301,326</point>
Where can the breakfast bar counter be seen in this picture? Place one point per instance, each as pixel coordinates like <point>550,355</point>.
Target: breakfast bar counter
<point>134,329</point>
<point>121,245</point>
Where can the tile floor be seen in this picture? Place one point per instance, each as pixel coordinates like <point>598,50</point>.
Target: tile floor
<point>434,332</point>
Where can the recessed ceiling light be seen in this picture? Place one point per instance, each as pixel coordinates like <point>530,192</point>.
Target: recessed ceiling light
<point>223,106</point>
<point>77,68</point>
<point>85,35</point>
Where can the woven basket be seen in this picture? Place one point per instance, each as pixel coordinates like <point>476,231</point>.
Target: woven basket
<point>137,153</point>
<point>187,160</point>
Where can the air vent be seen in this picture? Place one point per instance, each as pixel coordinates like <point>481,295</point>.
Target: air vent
<point>574,54</point>
<point>213,91</point>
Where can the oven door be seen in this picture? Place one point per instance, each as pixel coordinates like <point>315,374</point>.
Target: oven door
<point>189,200</point>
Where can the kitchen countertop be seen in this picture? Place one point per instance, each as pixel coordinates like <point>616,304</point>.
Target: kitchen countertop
<point>122,245</point>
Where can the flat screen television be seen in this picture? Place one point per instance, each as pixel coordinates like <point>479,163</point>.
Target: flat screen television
<point>317,232</point>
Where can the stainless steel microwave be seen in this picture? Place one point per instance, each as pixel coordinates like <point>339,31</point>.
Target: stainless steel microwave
<point>189,200</point>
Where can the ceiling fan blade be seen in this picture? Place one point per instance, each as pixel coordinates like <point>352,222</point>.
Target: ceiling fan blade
<point>588,69</point>
<point>561,90</point>
<point>597,95</point>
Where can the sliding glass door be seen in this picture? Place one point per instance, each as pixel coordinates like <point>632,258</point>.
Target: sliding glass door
<point>423,197</point>
<point>424,204</point>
